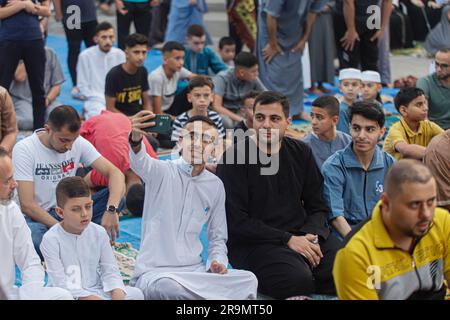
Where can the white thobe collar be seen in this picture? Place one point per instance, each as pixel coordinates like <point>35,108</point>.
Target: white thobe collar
<point>99,51</point>
<point>72,235</point>
<point>185,166</point>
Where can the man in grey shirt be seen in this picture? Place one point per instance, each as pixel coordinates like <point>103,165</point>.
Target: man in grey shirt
<point>21,93</point>
<point>231,87</point>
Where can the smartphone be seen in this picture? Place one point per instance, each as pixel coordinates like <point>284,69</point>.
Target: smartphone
<point>162,124</point>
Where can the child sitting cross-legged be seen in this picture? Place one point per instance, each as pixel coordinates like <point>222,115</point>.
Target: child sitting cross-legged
<point>78,253</point>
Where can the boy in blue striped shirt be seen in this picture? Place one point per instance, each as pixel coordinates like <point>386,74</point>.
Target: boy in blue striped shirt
<point>200,94</point>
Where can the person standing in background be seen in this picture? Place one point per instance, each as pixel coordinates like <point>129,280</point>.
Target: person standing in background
<point>322,50</point>
<point>136,11</point>
<point>75,34</point>
<point>21,38</point>
<point>283,29</point>
<point>158,22</point>
<point>242,22</point>
<point>183,14</point>
<point>357,40</point>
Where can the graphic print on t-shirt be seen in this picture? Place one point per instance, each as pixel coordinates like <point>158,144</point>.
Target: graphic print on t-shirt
<point>55,171</point>
<point>129,95</point>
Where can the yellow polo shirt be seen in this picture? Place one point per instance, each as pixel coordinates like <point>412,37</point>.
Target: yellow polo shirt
<point>400,131</point>
<point>371,267</point>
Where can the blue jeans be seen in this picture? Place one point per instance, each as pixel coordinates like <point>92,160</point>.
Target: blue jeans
<point>38,229</point>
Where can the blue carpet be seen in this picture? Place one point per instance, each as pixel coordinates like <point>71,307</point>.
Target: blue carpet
<point>130,231</point>
<point>154,59</point>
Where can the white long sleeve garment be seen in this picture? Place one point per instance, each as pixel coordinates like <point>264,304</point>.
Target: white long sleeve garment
<point>83,264</point>
<point>16,248</point>
<point>176,208</point>
<point>92,67</point>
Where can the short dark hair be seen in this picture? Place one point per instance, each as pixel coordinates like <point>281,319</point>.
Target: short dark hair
<point>404,171</point>
<point>103,26</point>
<point>444,50</point>
<point>226,41</point>
<point>245,59</point>
<point>406,95</point>
<point>329,103</point>
<point>171,46</point>
<point>134,199</point>
<point>251,95</point>
<point>200,118</point>
<point>195,30</point>
<point>200,81</point>
<point>63,116</point>
<point>368,110</point>
<point>136,39</point>
<point>269,97</point>
<point>71,187</point>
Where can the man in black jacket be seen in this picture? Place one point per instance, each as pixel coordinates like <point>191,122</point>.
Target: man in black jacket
<point>276,214</point>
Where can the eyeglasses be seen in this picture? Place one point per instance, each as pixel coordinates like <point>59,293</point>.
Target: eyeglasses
<point>441,65</point>
<point>193,136</point>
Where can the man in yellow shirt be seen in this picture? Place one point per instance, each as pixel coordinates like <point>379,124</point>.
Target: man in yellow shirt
<point>409,137</point>
<point>403,250</point>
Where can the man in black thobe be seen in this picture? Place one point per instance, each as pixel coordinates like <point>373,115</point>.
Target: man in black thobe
<point>276,214</point>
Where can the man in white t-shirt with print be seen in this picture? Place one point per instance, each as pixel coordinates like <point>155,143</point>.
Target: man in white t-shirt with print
<point>51,154</point>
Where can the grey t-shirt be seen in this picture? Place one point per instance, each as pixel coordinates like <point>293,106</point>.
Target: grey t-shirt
<point>233,90</point>
<point>322,150</point>
<point>53,76</point>
<point>161,86</point>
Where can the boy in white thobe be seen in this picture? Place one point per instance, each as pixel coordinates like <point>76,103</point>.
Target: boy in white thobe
<point>78,253</point>
<point>180,197</point>
<point>16,246</point>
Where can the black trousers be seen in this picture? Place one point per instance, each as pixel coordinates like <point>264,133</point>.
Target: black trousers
<point>32,53</point>
<point>140,14</point>
<point>365,52</point>
<point>159,23</point>
<point>74,38</point>
<point>284,273</point>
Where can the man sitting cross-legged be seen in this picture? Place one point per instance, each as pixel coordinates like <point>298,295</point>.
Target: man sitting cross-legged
<point>275,208</point>
<point>169,265</point>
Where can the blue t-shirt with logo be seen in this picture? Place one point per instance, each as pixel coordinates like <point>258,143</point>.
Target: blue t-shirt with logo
<point>20,26</point>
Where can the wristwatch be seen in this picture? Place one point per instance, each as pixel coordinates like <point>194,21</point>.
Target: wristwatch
<point>111,209</point>
<point>134,143</point>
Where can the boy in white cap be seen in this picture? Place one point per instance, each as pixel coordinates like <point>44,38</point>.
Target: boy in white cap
<point>371,87</point>
<point>350,86</point>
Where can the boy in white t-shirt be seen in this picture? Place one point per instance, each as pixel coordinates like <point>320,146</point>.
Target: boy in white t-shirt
<point>51,154</point>
<point>77,252</point>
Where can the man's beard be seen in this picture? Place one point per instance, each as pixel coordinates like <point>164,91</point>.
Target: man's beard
<point>443,77</point>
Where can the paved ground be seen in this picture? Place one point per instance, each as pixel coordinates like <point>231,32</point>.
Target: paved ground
<point>216,21</point>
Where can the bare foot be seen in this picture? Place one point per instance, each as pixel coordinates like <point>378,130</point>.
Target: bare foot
<point>315,90</point>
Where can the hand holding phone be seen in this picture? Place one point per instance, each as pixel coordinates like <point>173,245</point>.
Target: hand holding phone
<point>139,122</point>
<point>162,124</point>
